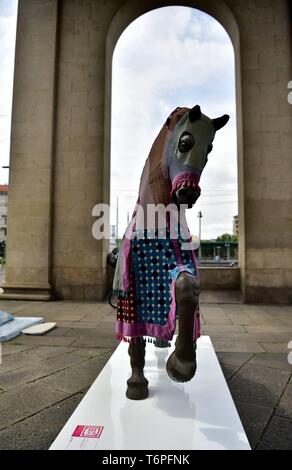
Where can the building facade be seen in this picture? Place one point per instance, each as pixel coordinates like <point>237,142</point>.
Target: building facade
<point>3,211</point>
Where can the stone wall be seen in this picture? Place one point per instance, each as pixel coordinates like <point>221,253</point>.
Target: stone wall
<point>266,55</point>
<point>78,268</point>
<point>30,176</point>
<point>227,278</point>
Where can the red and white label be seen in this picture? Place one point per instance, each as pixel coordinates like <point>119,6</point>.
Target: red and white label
<point>87,431</point>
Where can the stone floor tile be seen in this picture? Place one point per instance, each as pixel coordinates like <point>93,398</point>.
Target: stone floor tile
<point>241,319</point>
<point>277,435</point>
<point>40,430</point>
<point>258,385</point>
<point>254,419</point>
<point>275,347</point>
<point>43,368</point>
<point>52,351</point>
<point>18,359</point>
<point>223,329</point>
<point>284,408</point>
<point>87,332</point>
<point>92,352</point>
<point>43,340</point>
<point>232,345</point>
<point>274,360</point>
<point>234,359</point>
<point>24,401</point>
<point>96,342</point>
<point>76,378</point>
<point>8,348</point>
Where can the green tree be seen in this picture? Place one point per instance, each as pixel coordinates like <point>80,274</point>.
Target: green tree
<point>227,237</point>
<point>118,243</point>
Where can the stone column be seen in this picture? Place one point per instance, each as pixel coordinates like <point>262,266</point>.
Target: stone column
<point>80,179</point>
<point>266,51</point>
<point>30,178</point>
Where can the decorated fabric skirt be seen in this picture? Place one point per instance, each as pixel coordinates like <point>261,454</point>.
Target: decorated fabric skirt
<point>150,307</point>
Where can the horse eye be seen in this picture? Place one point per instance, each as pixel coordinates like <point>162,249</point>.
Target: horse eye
<point>210,148</point>
<point>186,142</point>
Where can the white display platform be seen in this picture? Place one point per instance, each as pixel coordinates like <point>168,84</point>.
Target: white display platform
<point>197,415</point>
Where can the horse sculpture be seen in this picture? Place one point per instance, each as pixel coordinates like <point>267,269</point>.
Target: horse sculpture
<point>156,277</point>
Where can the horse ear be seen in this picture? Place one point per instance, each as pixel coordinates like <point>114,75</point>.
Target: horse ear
<point>220,122</point>
<point>195,113</point>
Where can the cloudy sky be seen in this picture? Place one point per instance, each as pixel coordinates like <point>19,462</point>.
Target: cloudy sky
<point>174,56</point>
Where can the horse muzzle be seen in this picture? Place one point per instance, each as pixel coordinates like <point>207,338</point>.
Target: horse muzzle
<point>185,189</point>
<point>187,196</point>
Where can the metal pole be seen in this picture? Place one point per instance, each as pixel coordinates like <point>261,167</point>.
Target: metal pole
<point>117,218</point>
<point>200,247</point>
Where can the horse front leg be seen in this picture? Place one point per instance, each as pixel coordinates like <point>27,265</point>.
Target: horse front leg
<point>137,384</point>
<point>181,365</point>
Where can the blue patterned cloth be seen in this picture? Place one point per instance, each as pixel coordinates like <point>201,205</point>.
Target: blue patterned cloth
<point>156,263</point>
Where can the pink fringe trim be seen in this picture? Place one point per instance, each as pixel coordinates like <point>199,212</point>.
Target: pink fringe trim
<point>187,180</point>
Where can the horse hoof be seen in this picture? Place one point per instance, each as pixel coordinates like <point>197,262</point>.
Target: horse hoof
<point>180,371</point>
<point>137,390</point>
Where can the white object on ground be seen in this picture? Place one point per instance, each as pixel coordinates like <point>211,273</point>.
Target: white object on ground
<point>13,328</point>
<point>40,329</point>
<point>199,414</point>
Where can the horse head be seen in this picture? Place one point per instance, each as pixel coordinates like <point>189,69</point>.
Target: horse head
<point>187,153</point>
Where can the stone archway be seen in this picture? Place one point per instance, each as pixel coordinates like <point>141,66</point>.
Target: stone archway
<point>129,12</point>
<point>59,164</point>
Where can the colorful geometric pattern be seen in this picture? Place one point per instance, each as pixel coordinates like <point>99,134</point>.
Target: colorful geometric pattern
<point>127,306</point>
<point>152,261</point>
<point>156,263</point>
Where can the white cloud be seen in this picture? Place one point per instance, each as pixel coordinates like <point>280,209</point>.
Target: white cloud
<point>171,57</point>
<point>162,50</point>
<point>8,8</point>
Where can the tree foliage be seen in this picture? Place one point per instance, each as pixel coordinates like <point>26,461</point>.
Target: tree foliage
<point>227,237</point>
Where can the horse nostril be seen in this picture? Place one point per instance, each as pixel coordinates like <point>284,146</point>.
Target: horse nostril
<point>182,192</point>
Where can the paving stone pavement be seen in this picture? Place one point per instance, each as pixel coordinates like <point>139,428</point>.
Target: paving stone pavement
<point>43,378</point>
